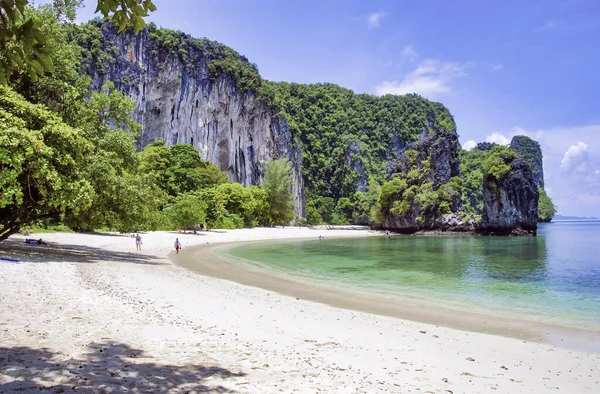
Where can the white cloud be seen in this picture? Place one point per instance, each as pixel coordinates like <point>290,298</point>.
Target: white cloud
<point>498,138</point>
<point>593,179</point>
<point>431,77</point>
<point>548,25</point>
<point>409,53</point>
<point>470,144</point>
<point>374,20</point>
<point>498,67</point>
<point>575,158</point>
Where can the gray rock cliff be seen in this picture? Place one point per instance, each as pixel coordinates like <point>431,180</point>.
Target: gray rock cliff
<point>511,203</point>
<point>182,103</point>
<point>439,153</point>
<point>530,152</point>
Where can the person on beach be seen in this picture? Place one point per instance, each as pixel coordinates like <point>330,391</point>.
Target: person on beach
<point>177,245</point>
<point>35,241</point>
<point>138,242</point>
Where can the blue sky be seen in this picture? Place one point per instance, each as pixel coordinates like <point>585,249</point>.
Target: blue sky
<point>501,67</point>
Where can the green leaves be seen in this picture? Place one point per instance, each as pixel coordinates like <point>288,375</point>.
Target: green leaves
<point>278,183</point>
<point>39,157</point>
<point>126,12</point>
<point>187,211</point>
<point>546,208</point>
<point>24,45</point>
<point>497,162</point>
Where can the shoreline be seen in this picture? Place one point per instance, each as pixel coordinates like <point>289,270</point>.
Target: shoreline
<point>90,313</point>
<point>204,261</point>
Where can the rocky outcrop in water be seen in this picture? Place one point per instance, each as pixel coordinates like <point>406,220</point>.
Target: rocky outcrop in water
<point>511,203</point>
<point>435,157</point>
<point>530,152</point>
<point>181,102</point>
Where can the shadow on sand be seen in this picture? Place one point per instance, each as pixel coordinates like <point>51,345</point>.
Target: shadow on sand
<point>17,249</point>
<point>104,368</point>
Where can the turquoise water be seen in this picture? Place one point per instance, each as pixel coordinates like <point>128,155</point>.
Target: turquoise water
<point>554,277</point>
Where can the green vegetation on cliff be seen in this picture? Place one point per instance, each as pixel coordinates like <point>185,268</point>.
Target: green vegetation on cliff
<point>365,158</point>
<point>221,59</point>
<point>546,208</point>
<point>348,140</point>
<point>494,161</point>
<point>530,152</point>
<point>471,172</point>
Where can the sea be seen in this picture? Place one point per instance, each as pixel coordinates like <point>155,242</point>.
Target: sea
<point>552,278</point>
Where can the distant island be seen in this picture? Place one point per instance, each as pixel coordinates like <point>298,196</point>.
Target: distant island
<point>563,217</point>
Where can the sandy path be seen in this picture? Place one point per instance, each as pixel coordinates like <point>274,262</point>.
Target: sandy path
<point>93,314</point>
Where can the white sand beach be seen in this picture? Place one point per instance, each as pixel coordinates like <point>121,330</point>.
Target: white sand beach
<point>90,313</point>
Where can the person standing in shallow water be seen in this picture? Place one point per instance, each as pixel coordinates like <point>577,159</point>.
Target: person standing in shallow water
<point>138,242</point>
<point>177,245</point>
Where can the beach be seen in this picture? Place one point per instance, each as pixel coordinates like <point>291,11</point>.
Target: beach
<point>90,313</point>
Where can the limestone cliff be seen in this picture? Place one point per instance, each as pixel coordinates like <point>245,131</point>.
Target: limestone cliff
<point>200,92</point>
<point>530,152</point>
<point>180,99</point>
<point>510,203</point>
<point>424,173</point>
<point>427,191</point>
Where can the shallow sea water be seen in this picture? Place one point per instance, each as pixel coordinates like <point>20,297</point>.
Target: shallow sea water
<point>553,278</point>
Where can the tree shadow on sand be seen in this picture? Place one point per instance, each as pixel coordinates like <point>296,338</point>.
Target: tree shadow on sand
<point>17,249</point>
<point>105,368</point>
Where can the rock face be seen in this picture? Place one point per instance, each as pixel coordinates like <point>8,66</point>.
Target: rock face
<point>353,157</point>
<point>440,152</point>
<point>234,130</point>
<point>530,152</point>
<point>510,204</point>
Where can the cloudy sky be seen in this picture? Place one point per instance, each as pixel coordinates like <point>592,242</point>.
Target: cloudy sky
<point>502,67</point>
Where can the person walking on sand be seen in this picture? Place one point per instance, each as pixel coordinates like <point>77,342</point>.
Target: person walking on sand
<point>177,245</point>
<point>138,242</point>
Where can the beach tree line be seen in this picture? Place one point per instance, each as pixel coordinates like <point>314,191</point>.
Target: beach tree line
<point>68,157</point>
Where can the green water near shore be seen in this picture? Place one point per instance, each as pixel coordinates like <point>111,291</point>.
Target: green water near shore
<point>553,278</point>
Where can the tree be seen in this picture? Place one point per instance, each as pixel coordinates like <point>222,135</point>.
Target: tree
<point>261,204</point>
<point>313,217</point>
<point>363,202</point>
<point>497,161</point>
<point>123,197</point>
<point>156,161</point>
<point>187,211</point>
<point>210,176</point>
<point>24,45</point>
<point>278,183</point>
<point>237,199</point>
<point>184,172</point>
<point>40,176</point>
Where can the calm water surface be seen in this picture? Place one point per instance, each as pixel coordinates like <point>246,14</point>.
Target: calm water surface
<point>554,277</point>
